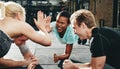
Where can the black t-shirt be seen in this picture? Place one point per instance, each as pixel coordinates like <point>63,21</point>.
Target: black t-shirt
<point>106,42</point>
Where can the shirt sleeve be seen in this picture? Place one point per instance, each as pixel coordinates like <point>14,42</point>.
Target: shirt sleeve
<point>98,46</point>
<point>52,24</point>
<point>71,38</point>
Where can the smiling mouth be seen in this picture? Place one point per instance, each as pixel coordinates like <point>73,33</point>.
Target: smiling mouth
<point>59,29</point>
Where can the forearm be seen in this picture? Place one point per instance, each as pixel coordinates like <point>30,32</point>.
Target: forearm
<point>24,49</point>
<point>5,63</point>
<point>47,37</point>
<point>67,53</point>
<point>63,57</point>
<point>82,66</point>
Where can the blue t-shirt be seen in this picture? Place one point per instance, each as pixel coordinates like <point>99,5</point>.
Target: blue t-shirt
<point>69,36</point>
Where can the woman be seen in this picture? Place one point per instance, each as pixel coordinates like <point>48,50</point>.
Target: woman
<point>65,34</point>
<point>13,25</point>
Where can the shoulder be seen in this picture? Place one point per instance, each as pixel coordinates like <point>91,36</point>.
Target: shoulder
<point>21,27</point>
<point>69,31</point>
<point>53,23</point>
<point>110,33</point>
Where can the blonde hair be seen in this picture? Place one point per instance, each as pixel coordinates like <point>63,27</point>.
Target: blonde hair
<point>12,8</point>
<point>2,10</point>
<point>85,16</point>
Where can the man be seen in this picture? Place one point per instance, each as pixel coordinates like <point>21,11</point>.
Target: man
<point>28,56</point>
<point>105,42</point>
<point>24,49</point>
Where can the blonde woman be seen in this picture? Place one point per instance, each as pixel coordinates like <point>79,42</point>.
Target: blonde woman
<point>13,25</point>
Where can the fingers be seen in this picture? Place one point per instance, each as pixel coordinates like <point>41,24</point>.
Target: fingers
<point>54,54</point>
<point>40,15</point>
<point>34,59</point>
<point>48,19</point>
<point>42,18</point>
<point>55,58</point>
<point>66,61</point>
<point>45,16</point>
<point>35,20</point>
<point>40,22</point>
<point>31,65</point>
<point>67,64</point>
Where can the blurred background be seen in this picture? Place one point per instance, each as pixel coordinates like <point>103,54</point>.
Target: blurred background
<point>107,12</point>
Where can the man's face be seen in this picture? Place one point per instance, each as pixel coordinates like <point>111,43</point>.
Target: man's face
<point>80,30</point>
<point>20,40</point>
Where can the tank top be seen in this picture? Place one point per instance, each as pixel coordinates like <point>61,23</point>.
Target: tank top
<point>5,43</point>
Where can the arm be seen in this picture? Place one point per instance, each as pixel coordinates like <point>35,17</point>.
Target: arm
<point>68,51</point>
<point>41,38</point>
<point>70,65</point>
<point>27,53</point>
<point>29,58</point>
<point>98,62</point>
<point>4,63</point>
<point>24,49</point>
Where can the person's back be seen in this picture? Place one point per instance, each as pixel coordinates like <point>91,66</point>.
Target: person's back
<point>113,40</point>
<point>106,42</point>
<point>9,26</point>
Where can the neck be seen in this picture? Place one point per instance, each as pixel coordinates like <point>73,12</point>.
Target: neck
<point>8,18</point>
<point>90,32</point>
<point>61,34</point>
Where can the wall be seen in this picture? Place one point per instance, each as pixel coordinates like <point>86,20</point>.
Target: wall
<point>103,10</point>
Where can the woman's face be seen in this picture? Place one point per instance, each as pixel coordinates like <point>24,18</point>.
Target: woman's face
<point>61,24</point>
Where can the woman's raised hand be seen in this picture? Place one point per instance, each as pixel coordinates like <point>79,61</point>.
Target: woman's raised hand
<point>48,20</point>
<point>41,21</point>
